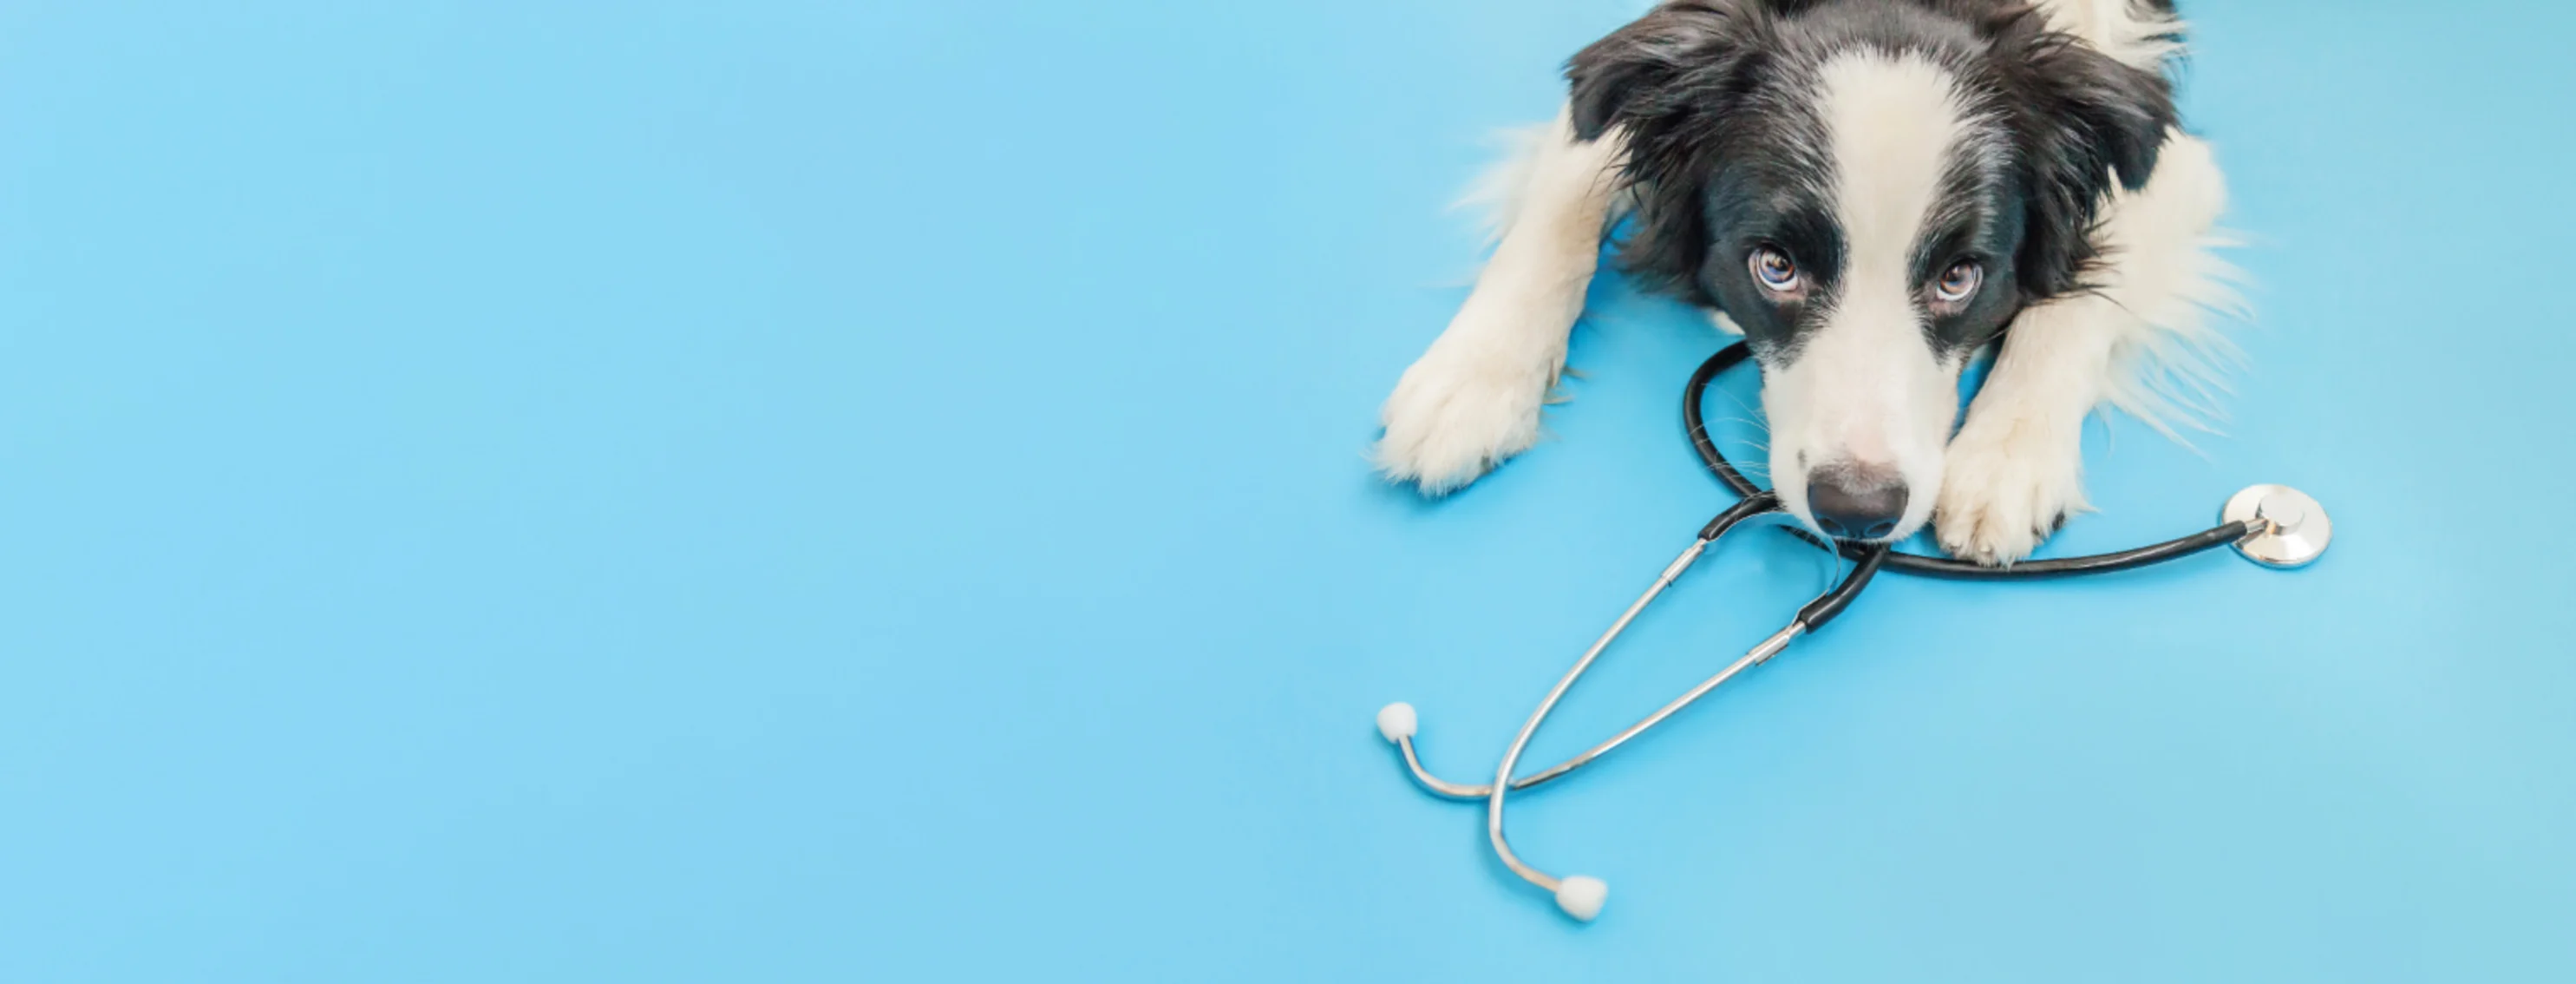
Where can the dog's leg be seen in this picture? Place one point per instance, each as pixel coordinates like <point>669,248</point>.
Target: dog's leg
<point>2015,470</point>
<point>1473,399</point>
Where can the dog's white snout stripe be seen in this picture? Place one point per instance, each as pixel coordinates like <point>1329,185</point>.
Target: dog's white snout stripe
<point>1866,389</point>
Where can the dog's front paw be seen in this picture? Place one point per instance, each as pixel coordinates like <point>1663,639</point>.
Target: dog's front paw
<point>1461,410</point>
<point>2003,490</point>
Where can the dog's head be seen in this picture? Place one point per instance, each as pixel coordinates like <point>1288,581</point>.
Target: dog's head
<point>1871,189</point>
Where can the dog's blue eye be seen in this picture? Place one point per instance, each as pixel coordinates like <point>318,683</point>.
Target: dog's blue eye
<point>1774,270</point>
<point>1961,281</point>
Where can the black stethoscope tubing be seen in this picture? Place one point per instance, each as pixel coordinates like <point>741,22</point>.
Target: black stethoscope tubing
<point>1869,558</point>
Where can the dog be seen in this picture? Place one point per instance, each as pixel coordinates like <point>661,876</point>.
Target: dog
<point>1869,192</point>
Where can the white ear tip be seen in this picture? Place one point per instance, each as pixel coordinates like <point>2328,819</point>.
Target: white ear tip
<point>1581,896</point>
<point>1395,721</point>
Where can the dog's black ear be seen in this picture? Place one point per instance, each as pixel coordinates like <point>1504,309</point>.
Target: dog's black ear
<point>2083,120</point>
<point>1634,70</point>
<point>1670,81</point>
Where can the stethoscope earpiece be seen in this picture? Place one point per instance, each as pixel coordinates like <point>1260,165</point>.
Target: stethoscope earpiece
<point>1581,896</point>
<point>1396,721</point>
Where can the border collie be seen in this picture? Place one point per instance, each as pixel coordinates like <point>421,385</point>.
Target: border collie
<point>1869,191</point>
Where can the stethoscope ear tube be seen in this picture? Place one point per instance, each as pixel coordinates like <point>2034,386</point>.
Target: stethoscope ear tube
<point>1581,896</point>
<point>1823,610</point>
<point>1750,506</point>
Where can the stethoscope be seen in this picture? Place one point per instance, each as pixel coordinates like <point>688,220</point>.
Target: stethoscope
<point>2273,525</point>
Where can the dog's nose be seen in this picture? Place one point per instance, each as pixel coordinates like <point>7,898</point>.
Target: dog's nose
<point>1856,502</point>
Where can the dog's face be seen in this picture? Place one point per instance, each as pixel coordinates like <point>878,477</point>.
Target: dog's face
<point>1870,189</point>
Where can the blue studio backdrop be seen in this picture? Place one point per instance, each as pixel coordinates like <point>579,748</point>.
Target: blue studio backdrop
<point>768,491</point>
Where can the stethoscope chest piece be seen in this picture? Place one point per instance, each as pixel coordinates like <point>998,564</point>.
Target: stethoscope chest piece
<point>2293,528</point>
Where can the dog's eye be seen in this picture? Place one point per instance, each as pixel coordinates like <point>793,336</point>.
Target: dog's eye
<point>1774,270</point>
<point>1960,281</point>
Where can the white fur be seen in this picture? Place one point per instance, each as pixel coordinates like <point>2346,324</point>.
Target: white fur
<point>2170,367</point>
<point>1496,195</point>
<point>2118,28</point>
<point>1866,387</point>
<point>2016,467</point>
<point>1474,398</point>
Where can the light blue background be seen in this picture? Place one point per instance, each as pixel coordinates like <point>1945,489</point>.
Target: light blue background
<point>770,491</point>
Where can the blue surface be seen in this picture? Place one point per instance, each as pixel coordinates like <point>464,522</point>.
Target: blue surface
<point>761,491</point>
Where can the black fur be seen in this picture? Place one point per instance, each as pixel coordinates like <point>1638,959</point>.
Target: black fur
<point>2081,115</point>
<point>1726,150</point>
